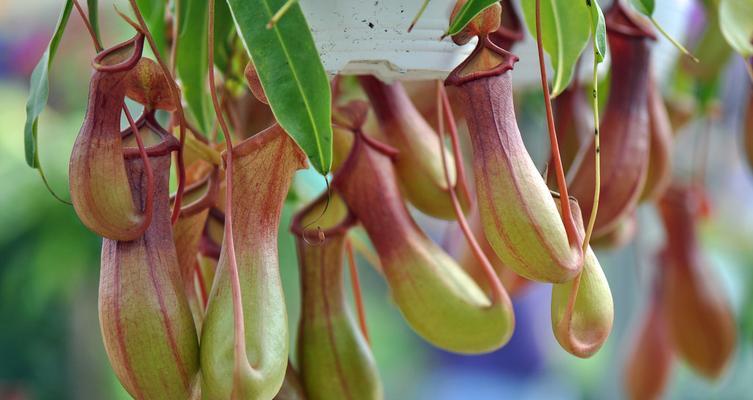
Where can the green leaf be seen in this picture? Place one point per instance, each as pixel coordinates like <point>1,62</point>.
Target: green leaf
<point>223,33</point>
<point>40,88</point>
<point>598,30</point>
<point>467,13</point>
<point>192,57</point>
<point>565,31</point>
<point>92,7</point>
<point>291,74</point>
<point>646,7</point>
<point>736,22</point>
<point>154,15</point>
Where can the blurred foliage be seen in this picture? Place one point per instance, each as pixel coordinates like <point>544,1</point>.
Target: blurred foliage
<point>47,258</point>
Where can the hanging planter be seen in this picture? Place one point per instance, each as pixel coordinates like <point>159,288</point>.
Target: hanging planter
<point>367,37</point>
<point>372,37</point>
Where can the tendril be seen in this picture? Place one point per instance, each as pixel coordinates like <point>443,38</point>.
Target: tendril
<point>498,291</point>
<point>319,233</point>
<point>597,156</point>
<point>567,216</point>
<point>462,180</point>
<point>202,286</point>
<point>357,295</point>
<point>175,92</point>
<point>149,206</point>
<point>241,358</point>
<point>280,13</point>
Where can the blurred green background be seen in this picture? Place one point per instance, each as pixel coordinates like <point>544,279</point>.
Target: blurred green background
<point>50,346</point>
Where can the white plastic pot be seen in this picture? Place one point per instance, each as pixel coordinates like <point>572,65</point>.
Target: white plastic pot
<point>371,36</point>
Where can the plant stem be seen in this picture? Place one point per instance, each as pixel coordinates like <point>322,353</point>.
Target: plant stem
<point>175,92</point>
<point>89,27</point>
<point>49,188</point>
<point>364,250</point>
<point>499,293</point>
<point>357,295</point>
<point>567,217</point>
<point>202,287</point>
<point>597,182</point>
<point>239,340</point>
<point>461,179</point>
<point>280,13</point>
<point>149,202</point>
<point>597,155</point>
<point>418,15</point>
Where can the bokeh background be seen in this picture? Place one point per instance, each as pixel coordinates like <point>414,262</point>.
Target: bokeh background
<point>50,346</point>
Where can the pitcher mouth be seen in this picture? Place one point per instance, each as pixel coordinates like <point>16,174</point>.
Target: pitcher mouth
<point>210,184</point>
<point>102,64</point>
<point>300,227</point>
<point>627,23</point>
<point>506,62</point>
<point>258,141</point>
<point>360,138</point>
<point>167,144</point>
<point>208,246</point>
